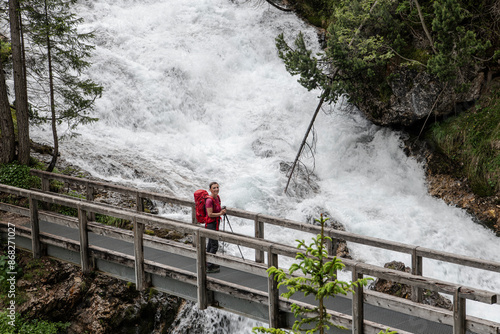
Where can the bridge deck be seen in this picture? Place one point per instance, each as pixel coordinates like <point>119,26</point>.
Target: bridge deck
<point>387,317</point>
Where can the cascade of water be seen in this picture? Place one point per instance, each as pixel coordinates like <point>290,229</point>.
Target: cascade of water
<point>195,92</point>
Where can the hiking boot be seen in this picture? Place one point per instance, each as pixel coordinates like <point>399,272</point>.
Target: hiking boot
<point>213,270</point>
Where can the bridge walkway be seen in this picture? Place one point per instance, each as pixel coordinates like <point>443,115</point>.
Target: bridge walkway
<point>340,304</point>
<point>242,287</point>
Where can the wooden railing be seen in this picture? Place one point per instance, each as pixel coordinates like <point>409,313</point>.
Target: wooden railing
<point>417,253</point>
<point>272,249</point>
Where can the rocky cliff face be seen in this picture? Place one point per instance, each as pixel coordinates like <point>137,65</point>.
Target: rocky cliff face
<point>443,183</point>
<point>416,95</point>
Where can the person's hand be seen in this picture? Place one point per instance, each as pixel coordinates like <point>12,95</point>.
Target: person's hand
<point>223,212</point>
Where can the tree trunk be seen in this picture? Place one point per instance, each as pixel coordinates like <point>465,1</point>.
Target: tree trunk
<point>19,84</point>
<point>424,26</point>
<point>8,148</point>
<point>318,108</point>
<point>52,100</point>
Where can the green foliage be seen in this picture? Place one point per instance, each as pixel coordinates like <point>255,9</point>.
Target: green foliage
<point>56,186</point>
<point>5,268</point>
<point>67,211</point>
<point>17,175</point>
<point>52,25</point>
<point>5,51</point>
<point>299,61</point>
<point>369,40</point>
<point>23,326</point>
<point>455,44</point>
<point>112,221</point>
<point>355,59</point>
<point>318,277</point>
<point>317,12</point>
<point>472,140</point>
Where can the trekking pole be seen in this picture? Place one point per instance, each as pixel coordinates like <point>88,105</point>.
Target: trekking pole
<point>223,229</point>
<point>228,223</point>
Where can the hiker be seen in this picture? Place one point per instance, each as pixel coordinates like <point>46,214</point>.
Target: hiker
<point>214,214</point>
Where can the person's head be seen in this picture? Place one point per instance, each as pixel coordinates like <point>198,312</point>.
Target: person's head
<point>214,188</point>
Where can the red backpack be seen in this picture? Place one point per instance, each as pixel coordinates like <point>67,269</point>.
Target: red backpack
<point>200,196</point>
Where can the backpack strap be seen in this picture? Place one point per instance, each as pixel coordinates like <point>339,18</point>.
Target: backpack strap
<point>213,206</point>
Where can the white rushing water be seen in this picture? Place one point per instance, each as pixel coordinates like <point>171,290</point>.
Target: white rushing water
<point>195,92</point>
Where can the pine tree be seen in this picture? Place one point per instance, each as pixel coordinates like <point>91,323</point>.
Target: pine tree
<point>319,279</point>
<point>367,40</point>
<point>19,83</point>
<point>8,148</point>
<point>58,57</point>
<point>455,45</point>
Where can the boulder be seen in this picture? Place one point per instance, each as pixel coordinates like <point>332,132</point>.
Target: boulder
<point>404,291</point>
<point>414,96</point>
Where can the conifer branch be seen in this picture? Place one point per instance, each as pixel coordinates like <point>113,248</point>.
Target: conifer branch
<point>320,104</point>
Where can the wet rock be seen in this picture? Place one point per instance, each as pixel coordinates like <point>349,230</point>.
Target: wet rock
<point>391,288</point>
<point>341,245</point>
<point>445,181</point>
<point>303,183</point>
<point>415,95</point>
<point>404,291</point>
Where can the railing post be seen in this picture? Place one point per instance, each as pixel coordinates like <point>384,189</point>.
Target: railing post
<point>195,222</point>
<point>90,198</point>
<point>140,203</point>
<point>84,241</point>
<point>201,269</point>
<point>357,304</point>
<point>140,277</point>
<point>45,183</point>
<point>273,291</point>
<point>45,188</point>
<point>259,233</point>
<point>459,313</point>
<point>35,228</point>
<point>416,269</point>
<point>332,246</point>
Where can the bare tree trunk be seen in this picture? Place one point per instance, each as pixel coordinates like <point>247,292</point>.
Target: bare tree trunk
<point>424,26</point>
<point>19,84</point>
<point>52,100</point>
<point>318,108</point>
<point>6,124</point>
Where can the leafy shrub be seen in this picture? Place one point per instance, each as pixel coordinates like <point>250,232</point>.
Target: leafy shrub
<point>319,280</point>
<point>4,269</point>
<point>113,221</point>
<point>16,175</point>
<point>22,325</point>
<point>471,140</point>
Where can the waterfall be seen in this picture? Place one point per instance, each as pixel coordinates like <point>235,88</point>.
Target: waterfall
<point>194,91</point>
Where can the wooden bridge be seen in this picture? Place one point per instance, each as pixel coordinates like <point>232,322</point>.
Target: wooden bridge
<point>242,286</point>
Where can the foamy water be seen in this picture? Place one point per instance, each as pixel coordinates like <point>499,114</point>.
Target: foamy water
<point>195,92</point>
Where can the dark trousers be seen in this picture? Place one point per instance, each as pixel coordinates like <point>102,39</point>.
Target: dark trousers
<point>213,245</point>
